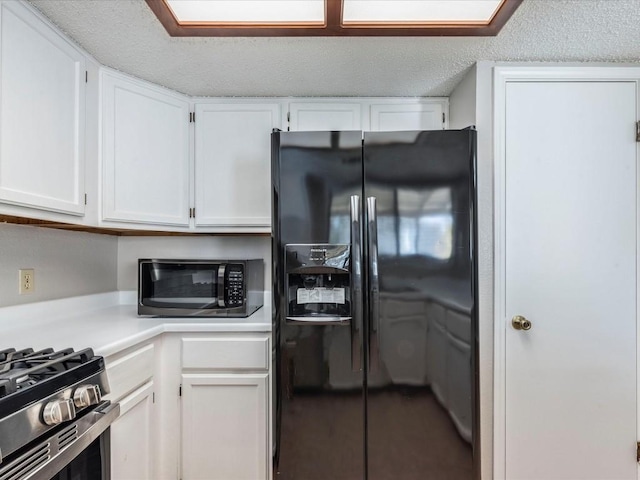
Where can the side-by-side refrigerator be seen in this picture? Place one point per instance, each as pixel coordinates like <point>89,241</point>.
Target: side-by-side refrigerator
<point>375,322</point>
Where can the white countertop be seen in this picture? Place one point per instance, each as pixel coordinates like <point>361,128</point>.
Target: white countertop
<point>107,322</point>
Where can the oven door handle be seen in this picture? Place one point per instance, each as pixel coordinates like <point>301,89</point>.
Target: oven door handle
<point>90,425</point>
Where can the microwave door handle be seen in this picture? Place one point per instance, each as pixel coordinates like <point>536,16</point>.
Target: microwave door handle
<point>221,274</point>
<point>374,286</point>
<point>356,284</point>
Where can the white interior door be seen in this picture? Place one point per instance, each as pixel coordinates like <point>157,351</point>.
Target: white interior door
<point>570,268</point>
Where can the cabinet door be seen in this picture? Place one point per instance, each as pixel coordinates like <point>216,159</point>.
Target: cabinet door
<point>42,95</point>
<point>224,429</point>
<point>388,117</point>
<point>307,116</point>
<point>233,164</point>
<point>145,152</point>
<point>132,437</point>
<point>569,266</point>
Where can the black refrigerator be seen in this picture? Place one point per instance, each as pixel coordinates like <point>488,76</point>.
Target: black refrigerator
<point>374,310</point>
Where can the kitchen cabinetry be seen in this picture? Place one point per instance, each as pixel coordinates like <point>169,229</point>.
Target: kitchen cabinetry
<point>233,164</point>
<point>132,436</point>
<point>145,153</point>
<point>566,259</point>
<point>226,407</point>
<point>408,115</point>
<point>369,114</point>
<point>42,114</point>
<point>133,447</point>
<point>328,115</point>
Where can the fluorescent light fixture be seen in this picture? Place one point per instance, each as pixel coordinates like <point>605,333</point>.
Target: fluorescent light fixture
<point>419,12</point>
<point>248,12</point>
<point>301,18</point>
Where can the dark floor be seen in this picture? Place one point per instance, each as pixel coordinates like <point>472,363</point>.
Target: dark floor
<point>411,437</point>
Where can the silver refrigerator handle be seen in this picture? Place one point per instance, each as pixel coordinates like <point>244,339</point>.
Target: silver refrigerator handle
<point>356,284</point>
<point>374,285</point>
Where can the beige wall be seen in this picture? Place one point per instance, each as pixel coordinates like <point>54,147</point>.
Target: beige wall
<point>66,263</point>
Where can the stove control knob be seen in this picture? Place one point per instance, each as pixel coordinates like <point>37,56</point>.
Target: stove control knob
<point>87,395</point>
<point>59,411</point>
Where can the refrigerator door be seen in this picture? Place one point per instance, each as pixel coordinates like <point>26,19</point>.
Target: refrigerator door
<point>317,214</point>
<point>420,310</point>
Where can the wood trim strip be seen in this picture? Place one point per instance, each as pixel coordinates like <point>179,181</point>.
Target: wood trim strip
<point>334,26</point>
<point>121,232</point>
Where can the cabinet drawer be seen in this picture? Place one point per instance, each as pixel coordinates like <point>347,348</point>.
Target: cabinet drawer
<point>129,372</point>
<point>251,353</point>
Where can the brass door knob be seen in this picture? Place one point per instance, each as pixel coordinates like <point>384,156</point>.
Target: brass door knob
<point>520,323</point>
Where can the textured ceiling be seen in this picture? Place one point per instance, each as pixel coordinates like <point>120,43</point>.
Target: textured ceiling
<point>125,35</point>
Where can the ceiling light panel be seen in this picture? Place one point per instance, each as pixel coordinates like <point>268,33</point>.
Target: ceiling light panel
<point>242,12</point>
<point>419,11</point>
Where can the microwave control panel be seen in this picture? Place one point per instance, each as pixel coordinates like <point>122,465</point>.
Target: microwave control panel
<point>234,285</point>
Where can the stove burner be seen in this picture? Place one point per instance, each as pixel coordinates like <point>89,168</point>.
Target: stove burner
<point>24,368</point>
<point>42,393</point>
<point>27,375</point>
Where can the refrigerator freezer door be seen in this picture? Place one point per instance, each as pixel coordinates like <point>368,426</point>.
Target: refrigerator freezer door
<point>320,419</point>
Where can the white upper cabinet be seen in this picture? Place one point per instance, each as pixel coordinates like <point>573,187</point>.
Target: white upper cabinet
<point>233,164</point>
<point>318,116</point>
<point>415,115</point>
<point>42,96</point>
<point>145,152</point>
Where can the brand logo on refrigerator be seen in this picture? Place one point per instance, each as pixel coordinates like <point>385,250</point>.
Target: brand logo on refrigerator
<point>317,254</point>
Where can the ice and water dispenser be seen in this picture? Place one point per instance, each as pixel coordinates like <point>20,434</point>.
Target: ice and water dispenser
<point>318,283</point>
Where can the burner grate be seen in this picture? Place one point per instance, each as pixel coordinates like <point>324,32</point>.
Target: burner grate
<point>27,376</point>
<point>20,369</point>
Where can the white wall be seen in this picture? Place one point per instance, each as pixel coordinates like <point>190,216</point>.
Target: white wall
<point>130,249</point>
<point>462,102</point>
<point>66,263</point>
<point>471,104</point>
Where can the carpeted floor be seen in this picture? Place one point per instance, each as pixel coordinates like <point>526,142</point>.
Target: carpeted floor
<point>411,437</point>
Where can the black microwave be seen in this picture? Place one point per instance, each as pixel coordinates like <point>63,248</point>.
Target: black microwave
<point>201,288</point>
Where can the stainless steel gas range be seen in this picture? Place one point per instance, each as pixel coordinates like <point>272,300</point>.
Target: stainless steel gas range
<point>54,423</point>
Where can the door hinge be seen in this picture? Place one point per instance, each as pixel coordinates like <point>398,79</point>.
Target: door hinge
<point>180,391</point>
<point>192,117</point>
<point>85,198</point>
<point>637,131</point>
<point>86,76</point>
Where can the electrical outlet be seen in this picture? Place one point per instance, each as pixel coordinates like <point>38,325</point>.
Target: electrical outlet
<point>27,281</point>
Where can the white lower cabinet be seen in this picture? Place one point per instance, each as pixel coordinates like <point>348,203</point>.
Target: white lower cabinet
<point>132,437</point>
<point>224,426</point>
<point>131,375</point>
<point>225,406</point>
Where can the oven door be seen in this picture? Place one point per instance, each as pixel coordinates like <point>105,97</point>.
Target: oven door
<point>78,450</point>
